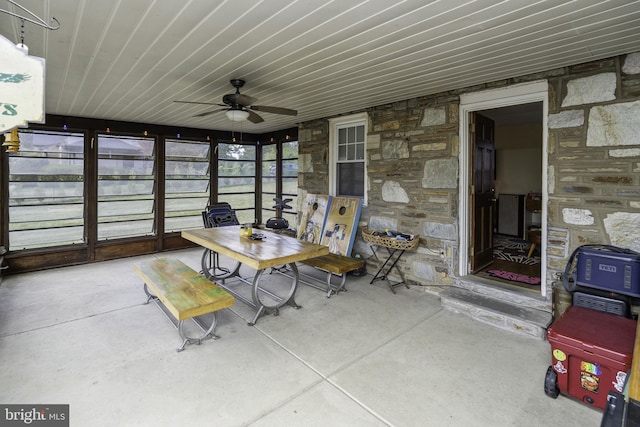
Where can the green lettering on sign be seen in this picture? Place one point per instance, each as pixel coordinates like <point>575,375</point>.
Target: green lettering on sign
<point>14,78</point>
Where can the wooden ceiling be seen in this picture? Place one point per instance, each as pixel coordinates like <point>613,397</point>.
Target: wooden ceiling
<point>130,59</point>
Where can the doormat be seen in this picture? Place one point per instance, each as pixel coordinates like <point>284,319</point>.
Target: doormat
<point>514,277</point>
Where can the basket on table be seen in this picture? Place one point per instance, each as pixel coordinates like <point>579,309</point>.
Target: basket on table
<point>389,242</point>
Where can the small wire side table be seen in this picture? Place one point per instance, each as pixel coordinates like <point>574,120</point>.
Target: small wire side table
<point>395,248</point>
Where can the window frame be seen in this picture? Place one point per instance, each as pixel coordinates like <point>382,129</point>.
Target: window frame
<point>41,178</point>
<point>223,196</point>
<point>334,124</point>
<point>278,162</point>
<point>194,213</point>
<point>92,249</point>
<point>103,220</point>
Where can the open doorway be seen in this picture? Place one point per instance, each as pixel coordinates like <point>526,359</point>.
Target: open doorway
<point>515,139</point>
<point>518,183</point>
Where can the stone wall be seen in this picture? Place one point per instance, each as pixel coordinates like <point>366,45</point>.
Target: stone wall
<point>594,154</point>
<point>412,164</point>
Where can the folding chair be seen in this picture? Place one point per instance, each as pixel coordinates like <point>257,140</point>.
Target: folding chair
<point>219,215</point>
<point>213,265</point>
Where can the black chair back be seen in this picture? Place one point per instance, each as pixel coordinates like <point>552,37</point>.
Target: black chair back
<point>219,215</point>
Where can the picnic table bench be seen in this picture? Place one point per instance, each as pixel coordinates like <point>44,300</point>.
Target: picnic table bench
<point>333,264</point>
<point>184,293</point>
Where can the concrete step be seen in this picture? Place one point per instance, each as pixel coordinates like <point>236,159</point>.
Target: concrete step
<point>520,297</point>
<point>505,315</point>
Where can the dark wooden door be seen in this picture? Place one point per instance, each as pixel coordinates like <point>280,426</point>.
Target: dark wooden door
<point>482,191</point>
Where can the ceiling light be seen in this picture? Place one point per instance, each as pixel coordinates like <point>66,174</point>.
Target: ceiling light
<point>237,115</point>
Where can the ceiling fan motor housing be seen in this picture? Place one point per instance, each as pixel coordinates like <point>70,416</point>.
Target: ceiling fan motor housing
<point>237,83</point>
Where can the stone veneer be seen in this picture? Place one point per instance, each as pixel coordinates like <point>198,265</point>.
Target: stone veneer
<point>412,163</point>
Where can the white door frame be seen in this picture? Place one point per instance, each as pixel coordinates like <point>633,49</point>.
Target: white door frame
<point>495,98</point>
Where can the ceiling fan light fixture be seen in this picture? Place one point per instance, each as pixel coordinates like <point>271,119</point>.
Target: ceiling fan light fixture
<point>237,115</point>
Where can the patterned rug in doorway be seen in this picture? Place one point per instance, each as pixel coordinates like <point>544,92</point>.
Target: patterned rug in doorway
<point>513,249</point>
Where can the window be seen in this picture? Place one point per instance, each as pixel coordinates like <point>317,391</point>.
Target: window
<point>126,197</point>
<point>348,148</point>
<point>269,180</point>
<point>290,179</point>
<point>186,184</point>
<point>237,179</point>
<point>287,167</point>
<point>46,190</point>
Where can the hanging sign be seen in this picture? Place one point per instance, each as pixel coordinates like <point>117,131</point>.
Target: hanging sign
<point>21,87</point>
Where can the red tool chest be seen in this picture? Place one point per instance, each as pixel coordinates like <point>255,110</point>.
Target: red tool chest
<point>591,352</point>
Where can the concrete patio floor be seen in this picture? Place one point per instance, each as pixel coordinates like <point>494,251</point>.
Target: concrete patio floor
<point>82,336</point>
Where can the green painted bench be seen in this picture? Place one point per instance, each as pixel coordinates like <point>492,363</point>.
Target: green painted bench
<point>184,293</point>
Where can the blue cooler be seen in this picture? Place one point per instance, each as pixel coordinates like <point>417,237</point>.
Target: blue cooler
<point>608,268</point>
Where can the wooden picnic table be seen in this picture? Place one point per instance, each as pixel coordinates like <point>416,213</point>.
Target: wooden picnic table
<point>272,251</point>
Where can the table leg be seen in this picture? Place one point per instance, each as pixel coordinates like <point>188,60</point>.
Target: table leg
<point>258,294</point>
<point>218,268</point>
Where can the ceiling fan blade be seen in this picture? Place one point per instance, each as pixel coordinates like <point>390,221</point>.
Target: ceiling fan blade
<point>254,118</point>
<point>245,100</point>
<point>194,102</point>
<point>206,113</point>
<point>275,110</point>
